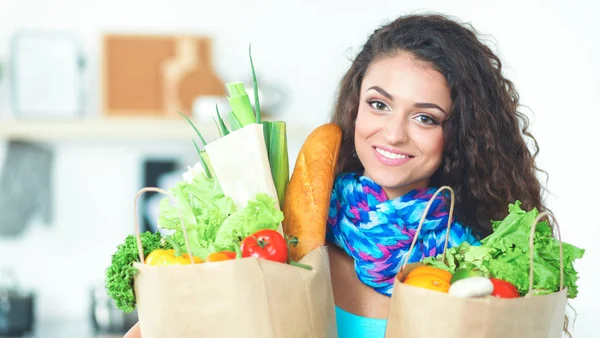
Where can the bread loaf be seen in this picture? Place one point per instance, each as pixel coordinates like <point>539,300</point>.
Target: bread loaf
<point>308,193</point>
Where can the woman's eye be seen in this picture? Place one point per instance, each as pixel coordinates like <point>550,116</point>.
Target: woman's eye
<point>378,105</point>
<point>425,119</point>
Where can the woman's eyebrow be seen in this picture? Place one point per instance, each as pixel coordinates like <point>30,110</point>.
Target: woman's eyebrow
<point>382,92</point>
<point>429,105</point>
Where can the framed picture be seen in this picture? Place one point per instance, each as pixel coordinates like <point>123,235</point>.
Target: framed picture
<point>46,75</point>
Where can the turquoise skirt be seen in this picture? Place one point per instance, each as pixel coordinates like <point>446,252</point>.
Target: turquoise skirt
<point>352,326</point>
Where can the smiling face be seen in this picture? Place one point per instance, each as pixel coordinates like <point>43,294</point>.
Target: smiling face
<point>398,135</point>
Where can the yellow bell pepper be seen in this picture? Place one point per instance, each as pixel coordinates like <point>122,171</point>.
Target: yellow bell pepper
<point>430,278</point>
<point>168,257</point>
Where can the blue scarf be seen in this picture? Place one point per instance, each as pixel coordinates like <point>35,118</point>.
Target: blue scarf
<point>377,232</point>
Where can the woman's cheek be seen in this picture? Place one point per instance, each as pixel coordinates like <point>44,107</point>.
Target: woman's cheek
<point>432,143</point>
<point>366,124</point>
<point>363,131</point>
<point>360,126</point>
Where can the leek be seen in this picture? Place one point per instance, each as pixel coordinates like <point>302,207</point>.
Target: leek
<point>201,153</point>
<point>277,150</point>
<point>222,127</point>
<point>274,134</point>
<point>240,103</point>
<point>234,122</point>
<point>193,126</point>
<point>204,160</point>
<point>275,141</point>
<point>243,114</point>
<point>255,85</point>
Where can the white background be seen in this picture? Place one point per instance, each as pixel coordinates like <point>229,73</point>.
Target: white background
<point>549,49</point>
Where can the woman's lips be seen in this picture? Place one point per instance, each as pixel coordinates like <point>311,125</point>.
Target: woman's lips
<point>391,157</point>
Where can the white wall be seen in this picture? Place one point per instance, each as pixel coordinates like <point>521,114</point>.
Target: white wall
<point>549,50</point>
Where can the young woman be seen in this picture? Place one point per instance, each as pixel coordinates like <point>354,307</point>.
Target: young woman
<point>424,104</point>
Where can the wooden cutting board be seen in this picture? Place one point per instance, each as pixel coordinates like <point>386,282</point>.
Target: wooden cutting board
<point>156,75</point>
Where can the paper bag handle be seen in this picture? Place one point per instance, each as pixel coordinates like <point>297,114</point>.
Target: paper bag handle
<point>532,235</point>
<point>137,225</point>
<point>450,214</point>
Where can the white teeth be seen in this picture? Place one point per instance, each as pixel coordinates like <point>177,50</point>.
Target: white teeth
<point>389,155</point>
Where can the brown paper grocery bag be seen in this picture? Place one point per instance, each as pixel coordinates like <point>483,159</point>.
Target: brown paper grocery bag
<point>248,297</point>
<point>421,313</point>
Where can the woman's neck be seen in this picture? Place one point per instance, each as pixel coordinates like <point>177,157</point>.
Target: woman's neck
<point>395,192</point>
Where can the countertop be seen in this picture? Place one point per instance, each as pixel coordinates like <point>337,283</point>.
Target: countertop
<point>66,329</point>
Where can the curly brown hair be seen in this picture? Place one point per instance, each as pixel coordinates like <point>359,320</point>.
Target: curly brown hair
<point>486,160</point>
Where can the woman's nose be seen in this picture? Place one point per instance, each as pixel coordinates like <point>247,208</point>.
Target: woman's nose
<point>396,131</point>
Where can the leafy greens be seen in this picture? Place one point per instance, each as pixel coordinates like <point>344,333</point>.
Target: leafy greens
<point>211,219</point>
<point>505,254</point>
<point>120,273</point>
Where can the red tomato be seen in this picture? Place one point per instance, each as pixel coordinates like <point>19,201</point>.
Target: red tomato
<point>266,244</point>
<point>504,289</point>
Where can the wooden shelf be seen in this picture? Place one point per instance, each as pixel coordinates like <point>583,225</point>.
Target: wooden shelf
<point>120,129</point>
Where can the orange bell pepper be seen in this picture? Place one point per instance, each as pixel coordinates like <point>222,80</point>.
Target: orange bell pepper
<point>430,278</point>
<point>168,257</point>
<point>220,256</point>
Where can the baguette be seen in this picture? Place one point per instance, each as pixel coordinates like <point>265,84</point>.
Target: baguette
<point>307,198</point>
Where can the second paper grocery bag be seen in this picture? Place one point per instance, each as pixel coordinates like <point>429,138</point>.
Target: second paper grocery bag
<point>476,308</point>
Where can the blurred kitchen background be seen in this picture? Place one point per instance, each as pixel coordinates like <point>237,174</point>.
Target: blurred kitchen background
<point>89,91</point>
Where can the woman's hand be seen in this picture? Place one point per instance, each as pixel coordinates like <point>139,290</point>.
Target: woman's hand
<point>134,332</point>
